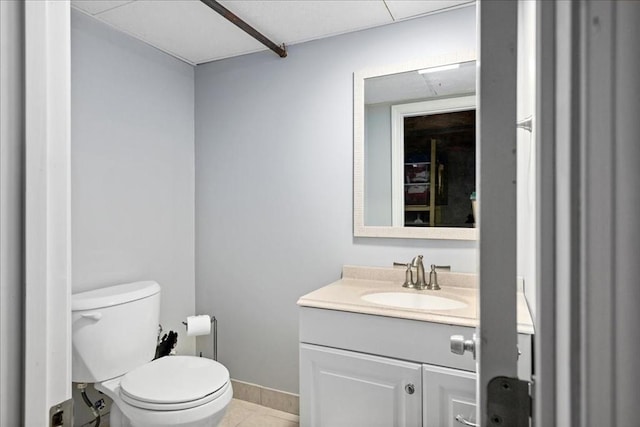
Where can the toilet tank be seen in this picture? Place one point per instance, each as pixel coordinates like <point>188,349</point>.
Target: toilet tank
<point>114,330</point>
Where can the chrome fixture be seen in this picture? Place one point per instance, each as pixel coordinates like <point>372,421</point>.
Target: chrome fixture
<point>460,345</point>
<point>459,418</point>
<point>408,275</point>
<point>214,322</point>
<point>526,124</point>
<point>433,276</point>
<point>420,282</point>
<point>433,279</point>
<point>419,266</point>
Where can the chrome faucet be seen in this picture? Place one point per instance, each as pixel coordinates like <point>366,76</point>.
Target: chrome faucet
<point>419,266</point>
<point>420,282</point>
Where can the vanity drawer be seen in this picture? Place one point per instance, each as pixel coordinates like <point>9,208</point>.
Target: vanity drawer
<point>405,339</point>
<point>423,342</point>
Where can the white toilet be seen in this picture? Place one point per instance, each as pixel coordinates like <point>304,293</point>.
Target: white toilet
<point>114,341</point>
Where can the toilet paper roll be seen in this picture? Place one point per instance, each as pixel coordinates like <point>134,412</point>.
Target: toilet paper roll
<point>198,325</point>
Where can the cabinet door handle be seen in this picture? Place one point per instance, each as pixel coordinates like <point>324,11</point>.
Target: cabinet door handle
<point>461,420</point>
<point>410,388</point>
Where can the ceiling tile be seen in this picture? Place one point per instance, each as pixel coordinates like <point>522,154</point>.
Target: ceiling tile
<point>190,30</point>
<point>403,9</point>
<point>295,21</point>
<point>93,7</point>
<point>187,29</point>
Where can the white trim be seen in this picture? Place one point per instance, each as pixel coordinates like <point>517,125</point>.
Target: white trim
<point>496,182</point>
<point>11,210</point>
<point>567,212</point>
<point>544,130</point>
<point>398,113</point>
<point>359,227</point>
<point>47,204</point>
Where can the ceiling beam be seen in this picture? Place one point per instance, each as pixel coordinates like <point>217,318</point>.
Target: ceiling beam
<point>281,51</point>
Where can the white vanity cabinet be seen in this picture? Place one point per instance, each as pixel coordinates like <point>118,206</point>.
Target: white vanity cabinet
<point>349,389</point>
<point>448,396</point>
<point>365,370</point>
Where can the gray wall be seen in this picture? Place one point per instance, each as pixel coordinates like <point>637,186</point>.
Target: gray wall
<point>274,188</point>
<point>132,176</point>
<point>132,168</point>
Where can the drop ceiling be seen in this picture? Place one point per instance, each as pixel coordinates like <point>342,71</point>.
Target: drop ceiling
<point>414,85</point>
<point>194,33</point>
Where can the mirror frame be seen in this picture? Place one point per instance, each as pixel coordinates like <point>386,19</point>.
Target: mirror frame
<point>359,228</point>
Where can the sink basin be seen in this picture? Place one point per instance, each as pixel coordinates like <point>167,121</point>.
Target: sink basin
<point>414,301</point>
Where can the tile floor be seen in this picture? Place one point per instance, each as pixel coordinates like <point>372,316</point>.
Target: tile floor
<point>242,414</point>
<point>247,414</point>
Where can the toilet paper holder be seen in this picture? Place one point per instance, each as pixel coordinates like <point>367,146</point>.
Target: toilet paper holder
<point>214,322</point>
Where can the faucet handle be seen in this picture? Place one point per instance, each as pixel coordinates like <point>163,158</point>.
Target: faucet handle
<point>408,275</point>
<point>441,267</point>
<point>408,278</point>
<point>433,279</point>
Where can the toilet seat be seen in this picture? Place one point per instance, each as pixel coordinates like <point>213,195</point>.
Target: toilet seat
<point>173,406</point>
<point>174,383</point>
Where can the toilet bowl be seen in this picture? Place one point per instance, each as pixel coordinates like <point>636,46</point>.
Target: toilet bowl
<point>114,336</point>
<point>182,391</point>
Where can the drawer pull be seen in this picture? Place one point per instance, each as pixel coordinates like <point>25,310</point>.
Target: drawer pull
<point>461,420</point>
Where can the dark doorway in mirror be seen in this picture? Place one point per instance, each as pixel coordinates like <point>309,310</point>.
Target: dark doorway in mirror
<point>439,169</point>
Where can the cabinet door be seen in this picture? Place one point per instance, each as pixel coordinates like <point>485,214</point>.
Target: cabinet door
<point>346,389</point>
<point>449,397</point>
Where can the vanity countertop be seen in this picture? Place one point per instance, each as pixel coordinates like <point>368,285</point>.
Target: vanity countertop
<point>346,295</point>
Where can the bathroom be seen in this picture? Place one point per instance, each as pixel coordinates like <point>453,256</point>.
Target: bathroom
<point>235,219</point>
<point>223,227</point>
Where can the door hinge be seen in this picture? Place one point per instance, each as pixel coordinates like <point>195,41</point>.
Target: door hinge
<point>61,414</point>
<point>508,402</point>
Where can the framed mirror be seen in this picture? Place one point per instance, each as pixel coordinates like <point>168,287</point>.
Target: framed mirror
<point>414,149</point>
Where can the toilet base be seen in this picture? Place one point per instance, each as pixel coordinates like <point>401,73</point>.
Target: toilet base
<point>117,419</point>
<point>207,415</point>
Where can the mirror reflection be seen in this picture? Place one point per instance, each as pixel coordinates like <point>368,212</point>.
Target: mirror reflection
<point>418,152</point>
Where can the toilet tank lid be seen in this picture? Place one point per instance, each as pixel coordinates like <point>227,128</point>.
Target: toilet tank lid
<point>113,295</point>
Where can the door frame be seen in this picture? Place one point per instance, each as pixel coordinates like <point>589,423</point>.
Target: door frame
<point>496,348</point>
<point>47,362</point>
<point>588,233</point>
<point>548,221</point>
<point>11,211</point>
<point>47,321</point>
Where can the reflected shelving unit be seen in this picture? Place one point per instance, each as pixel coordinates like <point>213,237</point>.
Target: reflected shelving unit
<point>420,178</point>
